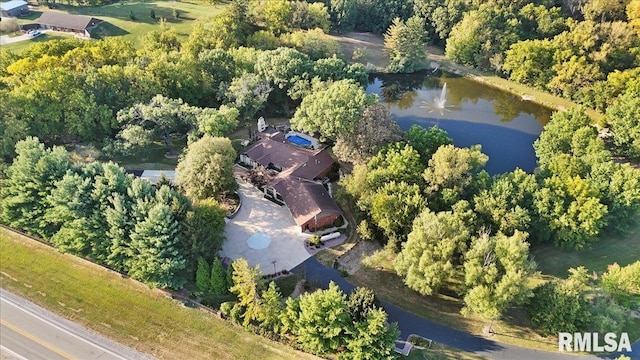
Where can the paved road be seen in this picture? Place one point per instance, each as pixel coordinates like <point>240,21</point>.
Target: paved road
<point>411,324</point>
<point>29,332</point>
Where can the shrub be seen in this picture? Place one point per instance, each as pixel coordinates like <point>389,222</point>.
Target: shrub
<point>152,14</point>
<point>132,16</point>
<point>8,26</point>
<point>236,313</point>
<point>226,307</point>
<point>176,13</point>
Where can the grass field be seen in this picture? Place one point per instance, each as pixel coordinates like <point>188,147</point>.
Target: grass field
<point>124,310</point>
<point>18,47</point>
<point>441,352</point>
<point>624,250</point>
<point>118,22</point>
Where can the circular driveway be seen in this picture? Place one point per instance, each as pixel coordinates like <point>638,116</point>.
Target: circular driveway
<point>258,221</point>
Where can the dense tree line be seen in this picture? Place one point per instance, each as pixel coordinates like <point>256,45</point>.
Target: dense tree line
<point>446,218</point>
<point>74,91</point>
<point>322,322</point>
<point>97,211</point>
<point>584,303</point>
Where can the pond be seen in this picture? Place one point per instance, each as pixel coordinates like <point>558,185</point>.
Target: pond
<point>472,113</point>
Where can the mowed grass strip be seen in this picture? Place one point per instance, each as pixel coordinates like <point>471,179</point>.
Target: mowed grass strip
<point>18,47</point>
<point>442,352</point>
<point>119,23</point>
<point>117,20</point>
<point>124,310</point>
<point>609,249</point>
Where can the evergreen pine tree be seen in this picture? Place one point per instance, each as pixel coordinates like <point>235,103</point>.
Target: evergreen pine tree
<point>229,277</point>
<point>202,275</point>
<point>218,282</point>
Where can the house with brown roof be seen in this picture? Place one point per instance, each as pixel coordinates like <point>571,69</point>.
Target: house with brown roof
<point>78,24</point>
<point>299,180</point>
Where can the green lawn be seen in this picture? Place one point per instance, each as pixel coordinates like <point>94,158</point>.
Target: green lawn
<point>17,47</point>
<point>441,352</point>
<point>125,310</point>
<point>118,23</point>
<point>624,250</point>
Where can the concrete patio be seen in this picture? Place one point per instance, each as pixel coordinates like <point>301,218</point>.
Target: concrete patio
<point>264,220</point>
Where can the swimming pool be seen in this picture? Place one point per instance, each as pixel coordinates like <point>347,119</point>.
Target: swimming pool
<point>300,141</point>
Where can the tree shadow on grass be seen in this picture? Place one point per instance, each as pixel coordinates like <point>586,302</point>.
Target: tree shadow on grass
<point>141,11</point>
<point>106,29</point>
<point>32,15</point>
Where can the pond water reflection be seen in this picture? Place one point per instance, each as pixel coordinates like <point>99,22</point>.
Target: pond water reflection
<point>505,125</point>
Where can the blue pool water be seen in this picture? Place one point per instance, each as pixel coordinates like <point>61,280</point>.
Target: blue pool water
<point>300,141</point>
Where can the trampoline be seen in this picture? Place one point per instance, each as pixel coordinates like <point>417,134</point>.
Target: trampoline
<point>259,241</point>
<point>298,140</point>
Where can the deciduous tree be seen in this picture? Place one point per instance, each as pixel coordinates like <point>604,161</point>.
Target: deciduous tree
<point>332,111</point>
<point>496,271</point>
<point>323,320</point>
<point>160,118</point>
<point>372,338</point>
<point>624,117</point>
<point>426,141</point>
<point>393,208</point>
<point>429,256</point>
<point>404,43</point>
<point>373,130</point>
<point>247,285</point>
<point>206,169</point>
<point>271,308</point>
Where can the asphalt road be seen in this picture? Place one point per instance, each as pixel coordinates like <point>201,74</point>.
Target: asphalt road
<point>30,332</point>
<point>409,323</point>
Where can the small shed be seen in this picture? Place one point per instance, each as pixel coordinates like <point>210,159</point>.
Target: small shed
<point>14,8</point>
<point>79,24</point>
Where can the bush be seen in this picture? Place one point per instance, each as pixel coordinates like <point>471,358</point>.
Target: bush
<point>132,16</point>
<point>226,307</point>
<point>8,26</point>
<point>236,314</point>
<point>152,14</point>
<point>176,13</point>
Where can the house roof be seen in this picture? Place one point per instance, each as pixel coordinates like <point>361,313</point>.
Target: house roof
<point>297,161</point>
<point>69,21</point>
<point>10,5</point>
<point>306,200</point>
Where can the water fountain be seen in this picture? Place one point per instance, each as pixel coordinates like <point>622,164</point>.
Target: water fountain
<point>440,101</point>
